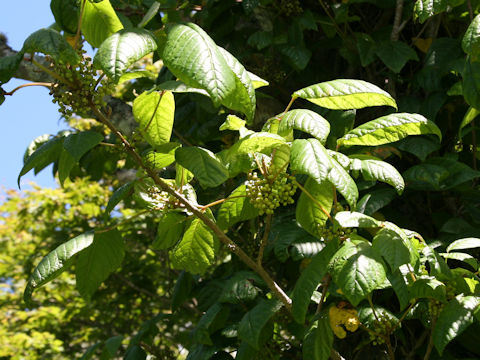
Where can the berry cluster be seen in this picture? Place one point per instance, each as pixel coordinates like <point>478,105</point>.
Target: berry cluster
<point>329,233</point>
<point>79,85</point>
<point>269,192</point>
<point>289,7</point>
<point>435,307</point>
<point>383,327</point>
<point>163,201</point>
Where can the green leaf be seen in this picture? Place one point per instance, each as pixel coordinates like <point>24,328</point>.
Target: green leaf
<point>466,258</point>
<point>55,263</point>
<point>179,87</point>
<point>111,346</point>
<point>260,39</point>
<point>343,183</point>
<point>471,39</point>
<point>470,115</point>
<point>245,352</point>
<point>395,54</point>
<point>426,8</point>
<point>357,270</point>
<point>297,56</point>
<point>122,49</point>
<point>79,144</point>
<point>254,321</point>
<point>65,13</point>
<point>366,48</point>
<point>65,165</point>
<point>236,208</point>
<point>139,74</point>
<point>349,219</point>
<point>456,316</point>
<point>257,81</point>
<point>390,128</point>
<point>312,215</point>
<point>120,194</point>
<point>203,164</point>
<point>420,146</point>
<point>427,287</point>
<point>346,94</point>
<point>233,123</point>
<point>373,169</point>
<point>50,42</point>
<point>169,231</point>
<point>243,98</point>
<point>399,285</point>
<point>192,56</point>
<point>207,323</point>
<point>309,280</point>
<point>373,201</point>
<point>239,288</point>
<point>154,111</point>
<point>471,81</point>
<point>182,289</point>
<point>9,66</point>
<point>44,155</point>
<point>98,261</point>
<point>153,10</point>
<point>438,267</point>
<point>162,156</point>
<point>196,251</point>
<point>461,244</point>
<point>395,247</point>
<point>318,341</point>
<point>99,22</point>
<point>309,157</point>
<point>306,121</point>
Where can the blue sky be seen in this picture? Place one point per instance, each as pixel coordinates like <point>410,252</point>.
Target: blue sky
<point>29,113</point>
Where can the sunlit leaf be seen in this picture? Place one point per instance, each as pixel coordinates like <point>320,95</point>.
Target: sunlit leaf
<point>99,22</point>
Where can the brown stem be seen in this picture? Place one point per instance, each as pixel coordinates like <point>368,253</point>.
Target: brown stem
<point>27,85</point>
<point>326,284</point>
<point>403,316</point>
<point>369,298</point>
<point>430,341</point>
<point>79,26</point>
<point>204,207</point>
<point>397,21</point>
<point>50,72</point>
<point>264,241</point>
<point>229,243</point>
<point>470,9</point>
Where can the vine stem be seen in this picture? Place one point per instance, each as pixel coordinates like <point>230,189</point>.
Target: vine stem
<point>229,243</point>
<point>263,242</point>
<point>27,85</point>
<point>314,200</point>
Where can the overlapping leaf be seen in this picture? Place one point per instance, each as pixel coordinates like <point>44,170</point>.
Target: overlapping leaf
<point>471,39</point>
<point>236,208</point>
<point>169,231</point>
<point>50,42</point>
<point>307,121</point>
<point>426,8</point>
<point>318,341</point>
<point>346,94</point>
<point>389,129</point>
<point>99,22</point>
<point>349,219</point>
<point>395,247</point>
<point>122,49</point>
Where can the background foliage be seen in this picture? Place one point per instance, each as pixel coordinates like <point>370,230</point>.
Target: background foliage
<point>424,53</point>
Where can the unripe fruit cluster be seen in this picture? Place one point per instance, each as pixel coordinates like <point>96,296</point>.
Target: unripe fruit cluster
<point>163,200</point>
<point>79,86</point>
<point>268,193</point>
<point>383,327</point>
<point>329,233</point>
<point>435,307</point>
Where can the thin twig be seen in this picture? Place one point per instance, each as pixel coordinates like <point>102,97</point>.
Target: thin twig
<point>397,21</point>
<point>264,241</point>
<point>470,9</point>
<point>403,316</point>
<point>204,207</point>
<point>79,26</point>
<point>50,72</point>
<point>430,341</point>
<point>27,85</point>
<point>326,284</point>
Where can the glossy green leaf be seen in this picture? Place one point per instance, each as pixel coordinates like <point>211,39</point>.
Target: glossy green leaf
<point>456,316</point>
<point>306,121</point>
<point>239,288</point>
<point>55,263</point>
<point>343,183</point>
<point>461,244</point>
<point>420,146</point>
<point>99,22</point>
<point>395,247</point>
<point>162,156</point>
<point>122,49</point>
<point>257,81</point>
<point>66,163</point>
<point>389,129</point>
<point>203,164</point>
<point>349,219</point>
<point>196,250</point>
<point>318,341</point>
<point>154,111</point>
<point>153,10</point>
<point>169,231</point>
<point>44,155</point>
<point>254,321</point>
<point>243,98</point>
<point>471,114</point>
<point>98,261</point>
<point>233,123</point>
<point>182,175</point>
<point>50,42</point>
<point>400,285</point>
<point>373,169</point>
<point>427,287</point>
<point>460,256</point>
<point>236,208</point>
<point>346,94</point>
<point>65,13</point>
<point>120,194</point>
<point>79,144</point>
<point>357,269</point>
<point>206,325</point>
<point>9,66</point>
<point>308,156</point>
<point>202,65</point>
<point>312,215</point>
<point>139,74</point>
<point>471,39</point>
<point>309,280</point>
<point>375,200</point>
<point>470,84</point>
<point>438,267</point>
<point>298,56</point>
<point>427,8</point>
<point>179,87</point>
<point>395,54</point>
<point>112,345</point>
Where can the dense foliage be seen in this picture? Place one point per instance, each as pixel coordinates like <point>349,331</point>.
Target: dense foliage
<point>246,179</point>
